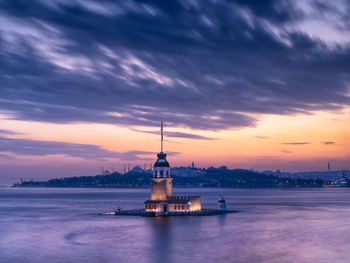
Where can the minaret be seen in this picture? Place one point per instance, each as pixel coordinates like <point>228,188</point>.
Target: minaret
<point>162,182</point>
<point>329,166</point>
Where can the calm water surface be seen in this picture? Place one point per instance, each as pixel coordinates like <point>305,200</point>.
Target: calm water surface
<point>64,225</point>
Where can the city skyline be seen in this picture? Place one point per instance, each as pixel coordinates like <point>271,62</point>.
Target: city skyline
<point>85,84</point>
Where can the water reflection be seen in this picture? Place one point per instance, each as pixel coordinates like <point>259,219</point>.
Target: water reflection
<point>161,232</point>
<point>63,225</point>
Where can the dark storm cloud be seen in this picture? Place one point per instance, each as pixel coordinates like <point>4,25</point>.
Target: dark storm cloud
<point>177,135</point>
<point>201,65</point>
<point>24,147</point>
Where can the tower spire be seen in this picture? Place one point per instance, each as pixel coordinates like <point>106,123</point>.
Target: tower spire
<point>161,138</point>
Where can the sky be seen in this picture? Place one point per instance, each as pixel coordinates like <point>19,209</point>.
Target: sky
<point>248,84</point>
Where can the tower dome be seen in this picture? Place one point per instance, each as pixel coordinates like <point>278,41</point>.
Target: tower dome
<point>161,161</point>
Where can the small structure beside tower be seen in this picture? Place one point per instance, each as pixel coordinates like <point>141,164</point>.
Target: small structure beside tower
<point>222,204</point>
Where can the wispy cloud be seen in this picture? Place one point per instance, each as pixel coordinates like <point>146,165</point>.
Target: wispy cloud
<point>177,135</point>
<point>6,156</point>
<point>328,143</point>
<point>295,143</point>
<point>142,155</point>
<point>261,137</point>
<point>8,132</point>
<point>10,148</point>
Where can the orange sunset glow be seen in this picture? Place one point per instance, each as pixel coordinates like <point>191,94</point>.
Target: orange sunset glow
<point>291,143</point>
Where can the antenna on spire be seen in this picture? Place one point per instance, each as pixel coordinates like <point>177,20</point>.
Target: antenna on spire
<point>161,138</point>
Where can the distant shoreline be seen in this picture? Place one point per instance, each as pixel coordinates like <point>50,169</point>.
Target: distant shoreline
<point>193,178</point>
<point>178,186</point>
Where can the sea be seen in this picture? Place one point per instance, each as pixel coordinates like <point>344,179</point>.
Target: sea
<point>273,225</point>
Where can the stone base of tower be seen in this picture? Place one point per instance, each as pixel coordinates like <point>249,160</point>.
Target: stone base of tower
<point>162,188</point>
<point>174,204</point>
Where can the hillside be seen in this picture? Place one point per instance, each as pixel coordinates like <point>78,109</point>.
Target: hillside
<point>211,177</point>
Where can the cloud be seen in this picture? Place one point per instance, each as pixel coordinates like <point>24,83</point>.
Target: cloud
<point>328,143</point>
<point>142,155</point>
<point>8,132</point>
<point>177,134</point>
<point>261,137</point>
<point>286,151</point>
<point>10,147</point>
<point>202,66</point>
<point>6,156</point>
<point>295,143</point>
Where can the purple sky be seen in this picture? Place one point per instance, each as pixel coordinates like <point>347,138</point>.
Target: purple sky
<point>203,66</point>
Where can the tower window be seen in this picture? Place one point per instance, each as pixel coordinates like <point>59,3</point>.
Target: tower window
<point>167,173</point>
<point>161,172</point>
<point>155,173</point>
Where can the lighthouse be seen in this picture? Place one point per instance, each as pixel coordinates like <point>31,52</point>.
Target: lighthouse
<point>222,203</point>
<point>162,200</point>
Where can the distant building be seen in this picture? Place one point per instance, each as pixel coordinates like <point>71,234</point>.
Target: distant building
<point>137,169</point>
<point>106,172</point>
<point>188,172</point>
